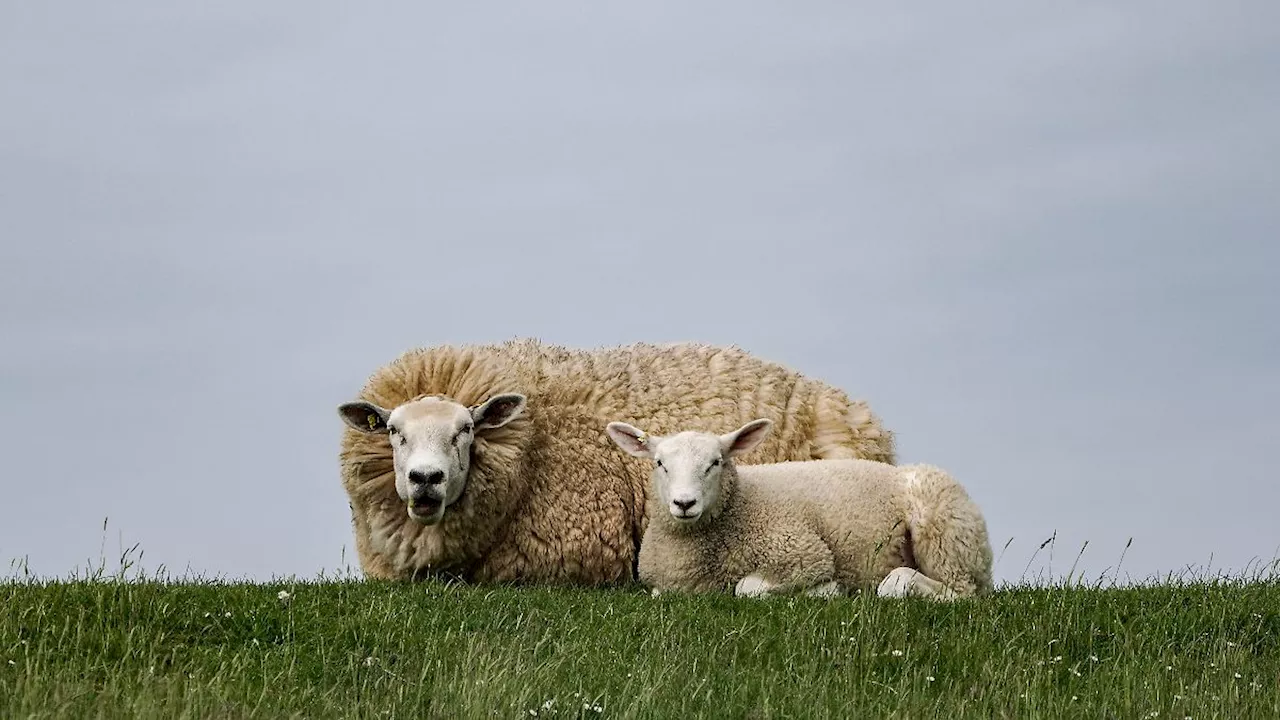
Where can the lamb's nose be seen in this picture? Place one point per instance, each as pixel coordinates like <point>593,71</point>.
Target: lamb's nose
<point>684,504</point>
<point>418,477</point>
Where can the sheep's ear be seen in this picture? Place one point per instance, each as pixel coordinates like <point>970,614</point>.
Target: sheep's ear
<point>631,439</point>
<point>497,410</point>
<point>746,438</point>
<point>364,416</point>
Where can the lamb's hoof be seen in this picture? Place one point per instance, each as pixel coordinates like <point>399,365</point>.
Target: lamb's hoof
<point>752,586</point>
<point>826,590</point>
<point>897,584</point>
<point>655,592</point>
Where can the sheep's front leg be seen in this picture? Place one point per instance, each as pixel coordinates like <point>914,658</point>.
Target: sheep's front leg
<point>758,586</point>
<point>792,564</point>
<point>826,590</point>
<point>753,586</point>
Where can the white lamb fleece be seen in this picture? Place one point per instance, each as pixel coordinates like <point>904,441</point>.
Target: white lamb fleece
<point>821,527</point>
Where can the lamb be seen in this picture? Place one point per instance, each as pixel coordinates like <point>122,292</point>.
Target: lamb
<point>488,463</point>
<point>816,527</point>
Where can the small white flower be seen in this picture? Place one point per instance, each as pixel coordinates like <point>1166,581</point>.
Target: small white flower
<point>15,664</point>
<point>369,661</point>
<point>1074,698</point>
<point>1237,676</point>
<point>1075,672</point>
<point>228,615</point>
<point>928,678</point>
<point>1230,644</point>
<point>1057,658</point>
<point>284,595</point>
<point>533,713</point>
<point>1168,667</point>
<point>897,653</point>
<point>1094,658</point>
<point>547,705</point>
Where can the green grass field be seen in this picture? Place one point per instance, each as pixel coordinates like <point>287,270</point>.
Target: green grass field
<point>349,648</point>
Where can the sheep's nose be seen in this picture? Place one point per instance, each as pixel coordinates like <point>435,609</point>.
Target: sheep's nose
<point>418,477</point>
<point>684,504</point>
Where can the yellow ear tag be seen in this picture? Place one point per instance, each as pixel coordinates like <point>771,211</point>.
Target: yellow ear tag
<point>373,421</point>
<point>642,437</point>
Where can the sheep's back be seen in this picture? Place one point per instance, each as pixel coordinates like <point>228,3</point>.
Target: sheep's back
<point>665,389</point>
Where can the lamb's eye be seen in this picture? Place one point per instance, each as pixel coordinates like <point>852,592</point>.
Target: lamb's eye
<point>659,464</point>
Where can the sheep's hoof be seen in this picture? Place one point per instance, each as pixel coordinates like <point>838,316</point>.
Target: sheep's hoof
<point>752,586</point>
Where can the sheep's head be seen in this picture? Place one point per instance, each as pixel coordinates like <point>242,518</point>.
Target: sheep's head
<point>689,468</point>
<point>431,439</point>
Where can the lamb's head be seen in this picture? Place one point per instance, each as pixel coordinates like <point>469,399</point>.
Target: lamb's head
<point>690,468</point>
<point>431,439</point>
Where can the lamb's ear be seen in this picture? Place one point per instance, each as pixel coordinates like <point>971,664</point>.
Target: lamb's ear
<point>364,416</point>
<point>746,438</point>
<point>631,439</point>
<point>497,410</point>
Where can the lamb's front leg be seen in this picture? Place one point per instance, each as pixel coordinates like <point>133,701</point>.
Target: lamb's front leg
<point>753,586</point>
<point>756,585</point>
<point>790,565</point>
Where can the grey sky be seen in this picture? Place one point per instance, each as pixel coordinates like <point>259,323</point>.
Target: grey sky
<point>1041,241</point>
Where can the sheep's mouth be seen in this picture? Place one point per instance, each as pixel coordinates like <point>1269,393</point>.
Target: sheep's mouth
<point>426,510</point>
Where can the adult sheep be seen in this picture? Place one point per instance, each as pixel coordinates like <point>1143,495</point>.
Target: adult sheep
<point>505,474</point>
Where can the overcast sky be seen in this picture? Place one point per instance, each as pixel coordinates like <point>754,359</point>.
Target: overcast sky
<point>1042,242</point>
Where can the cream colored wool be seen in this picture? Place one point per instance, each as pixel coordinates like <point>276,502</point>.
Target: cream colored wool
<point>547,498</point>
<point>817,527</point>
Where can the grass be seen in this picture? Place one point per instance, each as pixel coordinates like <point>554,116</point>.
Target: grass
<point>103,647</point>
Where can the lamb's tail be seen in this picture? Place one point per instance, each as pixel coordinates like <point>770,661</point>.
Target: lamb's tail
<point>948,531</point>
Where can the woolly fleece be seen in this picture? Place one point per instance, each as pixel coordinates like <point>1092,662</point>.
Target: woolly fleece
<point>548,498</point>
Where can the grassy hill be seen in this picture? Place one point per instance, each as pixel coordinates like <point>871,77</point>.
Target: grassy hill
<point>350,648</point>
